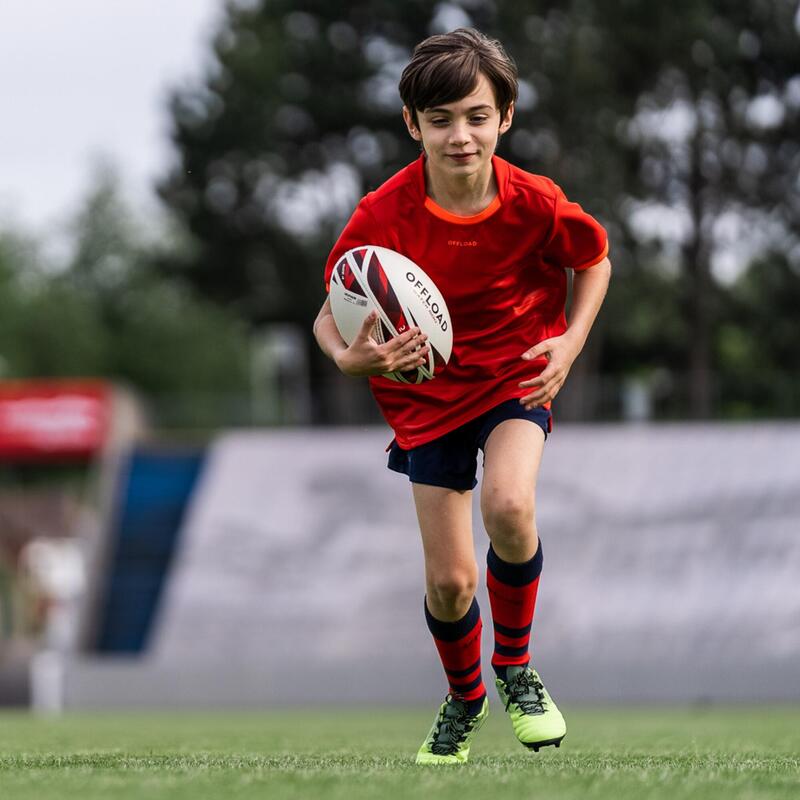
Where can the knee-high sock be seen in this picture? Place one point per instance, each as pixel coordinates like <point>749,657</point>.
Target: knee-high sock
<point>459,646</point>
<point>512,594</point>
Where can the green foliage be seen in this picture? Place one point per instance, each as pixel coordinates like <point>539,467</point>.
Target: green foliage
<point>107,312</point>
<point>716,137</point>
<point>630,106</point>
<point>58,333</point>
<point>170,340</point>
<point>297,115</point>
<point>677,125</point>
<point>758,341</point>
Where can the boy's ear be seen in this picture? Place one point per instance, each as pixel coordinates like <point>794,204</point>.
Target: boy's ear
<point>505,124</point>
<point>413,130</point>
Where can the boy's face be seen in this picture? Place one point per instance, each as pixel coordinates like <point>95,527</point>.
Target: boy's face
<point>459,138</point>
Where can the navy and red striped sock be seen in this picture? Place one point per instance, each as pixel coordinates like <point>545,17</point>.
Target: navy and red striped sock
<point>459,646</point>
<point>512,595</point>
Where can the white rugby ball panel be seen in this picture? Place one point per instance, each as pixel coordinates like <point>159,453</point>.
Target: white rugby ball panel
<point>404,295</point>
<point>349,302</point>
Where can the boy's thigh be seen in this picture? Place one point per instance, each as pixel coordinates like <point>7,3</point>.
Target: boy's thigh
<point>445,523</point>
<point>512,455</point>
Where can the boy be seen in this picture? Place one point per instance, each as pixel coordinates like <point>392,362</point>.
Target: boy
<point>497,241</point>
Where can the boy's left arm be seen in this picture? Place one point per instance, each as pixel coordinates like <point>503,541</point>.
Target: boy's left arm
<point>588,290</point>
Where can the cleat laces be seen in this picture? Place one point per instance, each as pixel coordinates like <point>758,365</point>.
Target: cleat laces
<point>452,727</point>
<point>521,687</point>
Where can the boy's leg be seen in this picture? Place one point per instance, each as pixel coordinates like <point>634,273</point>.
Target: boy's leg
<point>513,452</point>
<point>453,617</point>
<point>451,576</point>
<point>451,572</point>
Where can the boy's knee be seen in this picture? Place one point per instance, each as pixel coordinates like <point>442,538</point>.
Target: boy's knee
<point>452,589</point>
<point>510,517</point>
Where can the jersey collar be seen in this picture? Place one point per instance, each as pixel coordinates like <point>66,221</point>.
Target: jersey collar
<point>501,177</point>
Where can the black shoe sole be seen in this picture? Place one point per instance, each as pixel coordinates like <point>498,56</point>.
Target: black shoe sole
<point>546,743</point>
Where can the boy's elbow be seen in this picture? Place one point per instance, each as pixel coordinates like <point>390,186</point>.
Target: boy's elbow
<point>602,268</point>
<point>323,312</point>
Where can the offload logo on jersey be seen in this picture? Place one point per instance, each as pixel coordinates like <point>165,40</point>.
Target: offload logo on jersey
<point>423,292</point>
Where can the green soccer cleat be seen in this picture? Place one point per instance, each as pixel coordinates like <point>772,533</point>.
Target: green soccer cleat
<point>450,737</point>
<point>536,720</point>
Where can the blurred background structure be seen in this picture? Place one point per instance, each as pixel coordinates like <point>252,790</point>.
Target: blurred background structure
<point>677,126</point>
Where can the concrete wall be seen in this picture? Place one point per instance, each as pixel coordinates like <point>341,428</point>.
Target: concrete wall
<point>672,572</point>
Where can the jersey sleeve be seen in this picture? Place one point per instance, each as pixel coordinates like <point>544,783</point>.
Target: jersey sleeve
<point>577,240</point>
<point>360,230</point>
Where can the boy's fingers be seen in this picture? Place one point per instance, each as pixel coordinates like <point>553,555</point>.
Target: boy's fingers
<point>538,381</point>
<point>537,350</point>
<point>410,337</point>
<point>367,325</point>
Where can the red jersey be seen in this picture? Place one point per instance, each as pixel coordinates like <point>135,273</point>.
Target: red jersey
<point>503,275</point>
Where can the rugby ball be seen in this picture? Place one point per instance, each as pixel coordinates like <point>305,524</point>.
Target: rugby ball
<point>371,277</point>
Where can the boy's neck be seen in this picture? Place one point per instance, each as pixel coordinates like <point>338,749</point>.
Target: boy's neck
<point>464,197</point>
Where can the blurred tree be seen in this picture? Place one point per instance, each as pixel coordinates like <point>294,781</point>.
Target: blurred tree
<point>34,315</point>
<point>661,119</point>
<point>582,64</point>
<point>106,312</point>
<point>759,356</point>
<point>160,336</point>
<point>296,118</point>
<point>297,115</point>
<point>717,138</point>
<point>678,126</point>
<point>272,158</point>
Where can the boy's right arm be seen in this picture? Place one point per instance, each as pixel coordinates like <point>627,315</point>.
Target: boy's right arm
<point>365,356</point>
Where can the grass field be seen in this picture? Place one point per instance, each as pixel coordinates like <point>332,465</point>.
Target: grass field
<point>608,755</point>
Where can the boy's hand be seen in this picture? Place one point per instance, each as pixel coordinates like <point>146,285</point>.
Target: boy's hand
<point>365,356</point>
<point>560,351</point>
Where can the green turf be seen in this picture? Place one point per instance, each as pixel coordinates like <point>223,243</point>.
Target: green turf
<point>608,754</point>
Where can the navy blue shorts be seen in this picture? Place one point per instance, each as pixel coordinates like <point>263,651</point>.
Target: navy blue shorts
<point>451,460</point>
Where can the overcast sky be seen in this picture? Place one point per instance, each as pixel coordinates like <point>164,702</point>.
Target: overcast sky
<point>83,78</point>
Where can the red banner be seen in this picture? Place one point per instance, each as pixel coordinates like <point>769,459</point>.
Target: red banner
<point>53,419</point>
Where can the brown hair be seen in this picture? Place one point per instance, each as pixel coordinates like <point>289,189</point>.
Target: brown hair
<point>444,68</point>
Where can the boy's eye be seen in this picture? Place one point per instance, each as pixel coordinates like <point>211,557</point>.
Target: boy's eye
<point>478,119</point>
